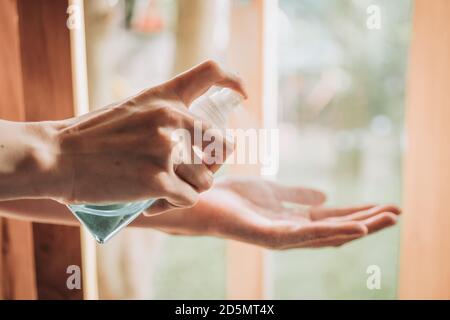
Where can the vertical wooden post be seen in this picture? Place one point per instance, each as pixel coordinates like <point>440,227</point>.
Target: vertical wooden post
<point>17,278</point>
<point>81,101</point>
<point>247,54</point>
<point>425,254</point>
<point>195,33</point>
<point>36,84</point>
<point>252,53</point>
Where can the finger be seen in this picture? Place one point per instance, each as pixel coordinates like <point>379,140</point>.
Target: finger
<point>197,175</point>
<point>380,221</point>
<point>317,231</point>
<point>180,193</point>
<point>163,205</point>
<point>320,213</point>
<point>197,131</point>
<point>228,150</point>
<point>366,214</point>
<point>195,82</point>
<point>372,224</point>
<point>330,242</point>
<point>158,207</point>
<point>299,195</point>
<point>312,233</point>
<point>199,143</point>
<point>328,230</point>
<point>215,147</point>
<point>222,151</point>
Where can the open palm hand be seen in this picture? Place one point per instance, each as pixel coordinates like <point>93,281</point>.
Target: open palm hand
<point>271,215</point>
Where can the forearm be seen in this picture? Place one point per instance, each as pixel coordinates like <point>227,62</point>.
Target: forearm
<point>52,212</point>
<point>37,210</point>
<point>27,161</point>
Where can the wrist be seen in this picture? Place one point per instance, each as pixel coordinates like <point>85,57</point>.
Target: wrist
<point>52,175</point>
<point>30,161</point>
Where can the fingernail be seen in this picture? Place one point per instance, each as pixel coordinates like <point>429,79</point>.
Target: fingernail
<point>363,230</point>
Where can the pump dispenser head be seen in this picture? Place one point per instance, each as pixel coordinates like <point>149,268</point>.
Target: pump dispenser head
<point>226,98</point>
<point>217,107</point>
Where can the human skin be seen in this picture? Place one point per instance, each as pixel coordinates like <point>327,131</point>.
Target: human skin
<point>250,210</point>
<point>123,153</point>
<point>116,154</point>
<point>273,216</point>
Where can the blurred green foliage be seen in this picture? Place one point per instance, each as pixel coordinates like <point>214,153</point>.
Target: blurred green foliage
<point>370,71</point>
<point>333,34</point>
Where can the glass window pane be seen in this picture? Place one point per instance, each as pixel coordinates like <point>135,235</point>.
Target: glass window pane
<point>341,91</point>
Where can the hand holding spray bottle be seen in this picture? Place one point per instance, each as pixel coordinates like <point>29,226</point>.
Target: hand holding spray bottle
<point>104,221</point>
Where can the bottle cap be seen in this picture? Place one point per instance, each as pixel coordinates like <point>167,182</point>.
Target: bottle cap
<point>226,100</point>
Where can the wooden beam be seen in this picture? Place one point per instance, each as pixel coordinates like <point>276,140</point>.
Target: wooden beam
<point>81,102</point>
<point>246,54</point>
<point>36,84</point>
<point>251,50</point>
<point>48,95</point>
<point>195,33</point>
<point>46,60</point>
<point>425,247</point>
<point>17,278</point>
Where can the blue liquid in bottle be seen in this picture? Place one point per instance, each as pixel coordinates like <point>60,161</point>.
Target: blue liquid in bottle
<point>104,221</point>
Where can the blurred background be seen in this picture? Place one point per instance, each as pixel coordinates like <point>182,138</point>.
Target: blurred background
<point>340,109</point>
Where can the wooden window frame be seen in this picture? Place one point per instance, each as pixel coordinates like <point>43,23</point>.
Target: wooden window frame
<point>425,242</point>
<point>36,84</point>
<point>28,248</point>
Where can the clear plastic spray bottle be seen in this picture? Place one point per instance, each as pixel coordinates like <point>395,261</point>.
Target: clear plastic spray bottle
<point>104,221</point>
